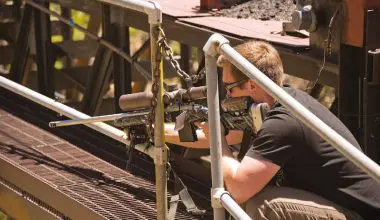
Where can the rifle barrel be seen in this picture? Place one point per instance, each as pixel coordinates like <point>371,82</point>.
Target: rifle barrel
<point>102,118</point>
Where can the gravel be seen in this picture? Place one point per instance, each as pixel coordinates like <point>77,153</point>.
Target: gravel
<point>279,10</point>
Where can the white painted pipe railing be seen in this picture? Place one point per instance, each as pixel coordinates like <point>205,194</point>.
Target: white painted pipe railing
<point>216,45</point>
<point>67,111</point>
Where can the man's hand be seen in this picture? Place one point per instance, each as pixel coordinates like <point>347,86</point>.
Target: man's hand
<point>204,127</point>
<point>233,137</point>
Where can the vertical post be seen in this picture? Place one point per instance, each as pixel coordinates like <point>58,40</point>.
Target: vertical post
<point>185,57</point>
<point>22,47</point>
<point>371,85</point>
<point>215,137</point>
<point>98,81</point>
<point>160,158</point>
<point>351,68</point>
<point>357,92</point>
<point>121,68</point>
<point>67,32</point>
<point>45,57</point>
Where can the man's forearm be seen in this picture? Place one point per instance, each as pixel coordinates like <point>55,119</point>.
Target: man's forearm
<point>171,136</point>
<point>229,164</point>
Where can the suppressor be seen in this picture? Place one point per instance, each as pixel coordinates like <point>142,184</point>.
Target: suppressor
<point>135,101</point>
<point>143,100</point>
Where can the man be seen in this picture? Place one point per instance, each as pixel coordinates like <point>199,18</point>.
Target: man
<point>319,182</point>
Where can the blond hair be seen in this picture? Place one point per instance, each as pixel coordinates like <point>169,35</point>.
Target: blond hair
<point>262,55</point>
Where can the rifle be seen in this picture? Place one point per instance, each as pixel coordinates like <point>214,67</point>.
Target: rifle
<point>239,113</point>
<point>234,116</point>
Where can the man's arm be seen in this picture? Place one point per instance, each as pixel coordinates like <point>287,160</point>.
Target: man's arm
<point>244,179</point>
<point>171,136</point>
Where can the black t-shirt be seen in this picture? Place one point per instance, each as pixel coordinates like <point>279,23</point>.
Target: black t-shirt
<point>310,163</point>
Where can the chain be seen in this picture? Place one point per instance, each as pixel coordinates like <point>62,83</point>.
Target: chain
<point>189,80</point>
<point>156,84</point>
<point>327,47</point>
<point>163,47</point>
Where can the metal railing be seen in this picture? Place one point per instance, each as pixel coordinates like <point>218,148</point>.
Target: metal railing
<point>69,112</point>
<point>159,152</point>
<point>216,45</point>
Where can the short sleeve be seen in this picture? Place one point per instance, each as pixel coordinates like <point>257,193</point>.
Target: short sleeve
<point>278,140</point>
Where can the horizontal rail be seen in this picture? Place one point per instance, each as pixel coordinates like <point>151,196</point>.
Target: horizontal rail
<point>67,111</point>
<point>151,8</point>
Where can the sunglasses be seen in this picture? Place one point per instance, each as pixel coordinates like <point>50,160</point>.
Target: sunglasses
<point>229,86</point>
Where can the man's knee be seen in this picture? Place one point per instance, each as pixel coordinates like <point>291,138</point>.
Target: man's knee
<point>287,203</point>
<point>261,206</point>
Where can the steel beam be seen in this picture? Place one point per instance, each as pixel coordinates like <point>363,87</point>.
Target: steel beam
<point>45,60</point>
<point>21,48</point>
<point>67,32</point>
<point>359,85</point>
<point>17,4</point>
<point>372,30</point>
<point>80,5</point>
<point>9,50</point>
<point>98,82</point>
<point>371,86</point>
<point>8,32</point>
<point>350,87</point>
<point>122,71</point>
<point>84,49</point>
<point>185,58</point>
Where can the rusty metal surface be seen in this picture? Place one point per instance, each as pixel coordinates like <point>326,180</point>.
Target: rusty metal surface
<point>106,190</point>
<point>249,28</point>
<point>188,12</point>
<point>188,8</point>
<point>182,21</point>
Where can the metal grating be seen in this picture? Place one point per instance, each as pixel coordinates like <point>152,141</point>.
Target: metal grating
<point>101,187</point>
<point>32,199</point>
